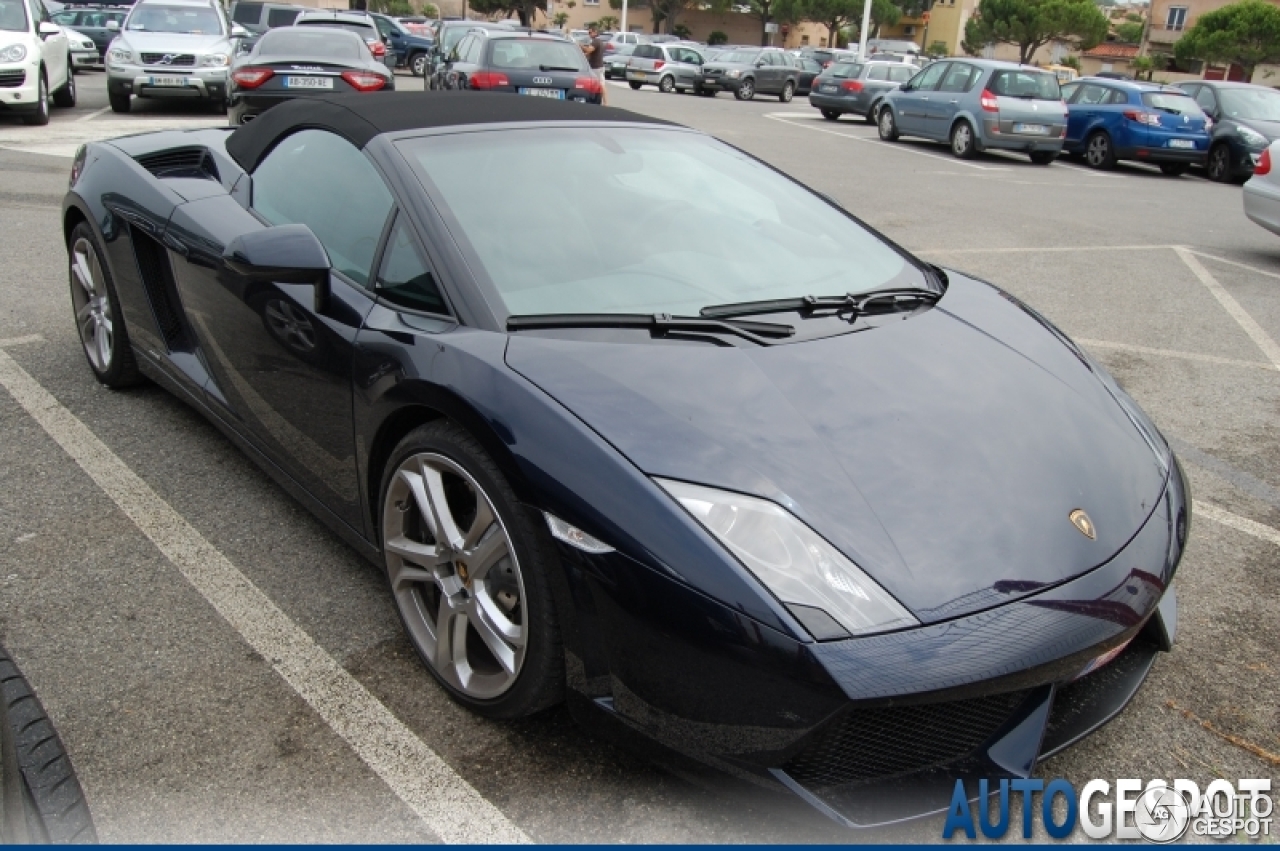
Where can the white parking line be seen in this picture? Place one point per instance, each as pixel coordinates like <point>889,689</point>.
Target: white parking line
<point>94,114</point>
<point>1168,353</point>
<point>20,341</point>
<point>906,150</point>
<point>1041,249</point>
<point>1240,524</point>
<point>1215,259</point>
<point>449,806</point>
<point>1231,306</point>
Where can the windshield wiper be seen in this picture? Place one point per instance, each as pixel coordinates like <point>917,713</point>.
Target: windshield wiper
<point>555,68</point>
<point>857,303</point>
<point>761,333</point>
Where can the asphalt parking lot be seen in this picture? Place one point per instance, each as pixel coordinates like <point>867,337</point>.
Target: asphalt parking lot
<point>215,660</point>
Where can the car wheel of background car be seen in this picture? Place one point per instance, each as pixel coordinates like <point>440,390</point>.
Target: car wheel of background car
<point>1174,169</point>
<point>99,319</point>
<point>50,803</point>
<point>746,90</point>
<point>962,140</point>
<point>468,568</point>
<point>119,100</point>
<point>706,93</point>
<point>667,84</point>
<point>831,114</point>
<point>1218,166</point>
<point>65,97</point>
<point>40,116</point>
<point>788,92</point>
<point>1098,152</point>
<point>887,126</point>
<point>635,86</point>
<point>219,106</point>
<point>1043,157</point>
<point>418,64</point>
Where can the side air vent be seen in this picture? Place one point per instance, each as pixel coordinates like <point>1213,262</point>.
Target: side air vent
<point>181,162</point>
<point>157,278</point>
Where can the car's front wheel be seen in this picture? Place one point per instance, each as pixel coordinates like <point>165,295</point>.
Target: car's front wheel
<point>119,100</point>
<point>667,85</point>
<point>65,97</point>
<point>39,116</point>
<point>831,114</point>
<point>468,568</point>
<point>1218,166</point>
<point>788,92</point>
<point>418,65</point>
<point>746,89</point>
<point>887,126</point>
<point>99,320</point>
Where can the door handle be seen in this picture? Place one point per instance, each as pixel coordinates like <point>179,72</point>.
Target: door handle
<point>923,97</point>
<point>955,100</point>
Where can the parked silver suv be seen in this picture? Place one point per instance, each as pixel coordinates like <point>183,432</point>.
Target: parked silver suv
<point>670,67</point>
<point>174,49</point>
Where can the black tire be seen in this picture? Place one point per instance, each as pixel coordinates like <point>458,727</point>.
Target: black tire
<point>1099,153</point>
<point>1218,163</point>
<point>870,117</point>
<point>39,117</point>
<point>49,798</point>
<point>65,97</point>
<point>746,89</point>
<point>963,143</point>
<point>539,683</point>
<point>1043,157</point>
<point>418,64</point>
<point>788,92</point>
<point>667,85</point>
<point>120,101</point>
<point>122,370</point>
<point>634,85</point>
<point>1174,169</point>
<point>707,93</point>
<point>831,114</point>
<point>887,125</point>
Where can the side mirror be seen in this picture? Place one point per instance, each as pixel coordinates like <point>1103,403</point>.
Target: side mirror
<point>759,63</point>
<point>238,31</point>
<point>47,29</point>
<point>113,26</point>
<point>905,87</point>
<point>286,254</point>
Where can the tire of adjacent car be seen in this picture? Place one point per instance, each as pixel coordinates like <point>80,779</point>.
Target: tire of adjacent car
<point>788,92</point>
<point>963,144</point>
<point>831,114</point>
<point>122,370</point>
<point>1174,169</point>
<point>1218,163</point>
<point>119,100</point>
<point>43,799</point>
<point>1099,152</point>
<point>887,125</point>
<point>634,85</point>
<point>65,97</point>
<point>1043,157</point>
<point>540,681</point>
<point>667,84</point>
<point>39,116</point>
<point>418,64</point>
<point>746,89</point>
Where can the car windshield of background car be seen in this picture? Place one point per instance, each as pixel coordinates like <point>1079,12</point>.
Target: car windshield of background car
<point>13,16</point>
<point>707,224</point>
<point>1033,85</point>
<point>741,57</point>
<point>536,54</point>
<point>175,19</point>
<point>452,36</point>
<point>1173,104</point>
<point>319,44</point>
<point>368,32</point>
<point>1251,104</point>
<point>844,70</point>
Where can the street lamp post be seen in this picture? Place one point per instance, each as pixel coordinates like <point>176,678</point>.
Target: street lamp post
<point>624,16</point>
<point>862,33</point>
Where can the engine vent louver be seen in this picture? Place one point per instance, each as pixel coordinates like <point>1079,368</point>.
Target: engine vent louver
<point>181,162</point>
<point>157,279</point>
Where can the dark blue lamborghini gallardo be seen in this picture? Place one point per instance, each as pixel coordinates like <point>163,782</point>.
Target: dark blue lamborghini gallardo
<point>752,481</point>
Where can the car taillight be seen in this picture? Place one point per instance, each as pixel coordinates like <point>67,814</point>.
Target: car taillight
<point>251,78</point>
<point>1264,164</point>
<point>826,64</point>
<point>852,85</point>
<point>364,81</point>
<point>658,63</point>
<point>989,102</point>
<point>608,47</point>
<point>377,48</point>
<point>487,80</point>
<point>1151,119</point>
<point>590,85</point>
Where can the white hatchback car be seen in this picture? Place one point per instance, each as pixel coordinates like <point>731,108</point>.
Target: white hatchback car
<point>1262,192</point>
<point>35,61</point>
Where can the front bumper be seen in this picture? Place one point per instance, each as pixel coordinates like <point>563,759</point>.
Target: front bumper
<point>85,58</point>
<point>876,729</point>
<point>19,86</point>
<point>198,83</point>
<point>718,83</point>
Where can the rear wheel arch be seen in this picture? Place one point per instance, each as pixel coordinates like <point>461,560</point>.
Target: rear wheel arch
<point>73,216</point>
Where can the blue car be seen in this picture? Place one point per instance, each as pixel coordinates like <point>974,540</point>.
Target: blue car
<point>412,51</point>
<point>1111,120</point>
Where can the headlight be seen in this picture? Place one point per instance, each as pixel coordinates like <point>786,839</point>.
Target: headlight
<point>215,60</point>
<point>733,73</point>
<point>119,54</point>
<point>791,560</point>
<point>1252,138</point>
<point>13,53</point>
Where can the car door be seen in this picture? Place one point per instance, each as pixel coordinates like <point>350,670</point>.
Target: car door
<point>689,63</point>
<point>280,354</point>
<point>455,72</point>
<point>911,101</point>
<point>942,107</point>
<point>394,38</point>
<point>56,48</point>
<point>1082,111</point>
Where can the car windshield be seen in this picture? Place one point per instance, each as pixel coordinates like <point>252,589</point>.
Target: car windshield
<point>535,54</point>
<point>318,43</point>
<point>1173,104</point>
<point>366,31</point>
<point>843,70</point>
<point>1033,85</point>
<point>153,17</point>
<point>13,15</point>
<point>1257,104</point>
<point>707,224</point>
<point>744,57</point>
<point>452,36</point>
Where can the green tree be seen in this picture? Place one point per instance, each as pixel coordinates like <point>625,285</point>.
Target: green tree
<point>937,50</point>
<point>1130,32</point>
<point>718,37</point>
<point>1245,33</point>
<point>608,22</point>
<point>1144,65</point>
<point>1031,24</point>
<point>560,19</point>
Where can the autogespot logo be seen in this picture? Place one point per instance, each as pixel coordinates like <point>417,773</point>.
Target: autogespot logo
<point>1157,811</point>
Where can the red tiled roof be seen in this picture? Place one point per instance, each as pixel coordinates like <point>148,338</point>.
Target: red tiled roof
<point>1108,50</point>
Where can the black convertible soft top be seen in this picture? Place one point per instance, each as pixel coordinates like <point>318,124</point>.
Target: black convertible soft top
<point>360,117</point>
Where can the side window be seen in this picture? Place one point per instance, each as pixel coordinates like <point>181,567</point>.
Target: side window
<point>475,51</point>
<point>384,27</point>
<point>929,77</point>
<point>320,180</point>
<point>1069,91</point>
<point>1117,96</point>
<point>461,46</point>
<point>405,278</point>
<point>878,71</point>
<point>65,19</point>
<point>1207,100</point>
<point>900,73</point>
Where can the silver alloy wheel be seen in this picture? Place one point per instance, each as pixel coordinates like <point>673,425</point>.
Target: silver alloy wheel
<point>1220,164</point>
<point>92,306</point>
<point>886,123</point>
<point>667,85</point>
<point>1098,150</point>
<point>419,65</point>
<point>455,575</point>
<point>961,139</point>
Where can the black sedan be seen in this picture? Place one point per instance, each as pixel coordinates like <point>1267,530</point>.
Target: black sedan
<point>754,482</point>
<point>302,62</point>
<point>1246,119</point>
<point>526,63</point>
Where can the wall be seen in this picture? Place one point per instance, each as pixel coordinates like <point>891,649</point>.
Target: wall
<point>740,28</point>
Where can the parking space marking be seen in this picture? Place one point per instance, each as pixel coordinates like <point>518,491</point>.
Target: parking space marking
<point>1235,263</point>
<point>1169,353</point>
<point>445,802</point>
<point>94,114</point>
<point>1041,249</point>
<point>20,341</point>
<point>775,116</point>
<point>1235,521</point>
<point>1231,306</point>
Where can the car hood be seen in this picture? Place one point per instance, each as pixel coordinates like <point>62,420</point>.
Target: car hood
<point>149,42</point>
<point>1270,129</point>
<point>943,454</point>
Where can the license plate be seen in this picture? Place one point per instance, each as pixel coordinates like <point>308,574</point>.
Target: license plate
<point>1181,143</point>
<point>1031,129</point>
<point>557,94</point>
<point>308,82</point>
<point>168,81</point>
<point>830,89</point>
<point>639,74</point>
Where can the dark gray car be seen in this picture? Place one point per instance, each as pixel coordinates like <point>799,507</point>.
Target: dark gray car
<point>857,88</point>
<point>748,70</point>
